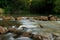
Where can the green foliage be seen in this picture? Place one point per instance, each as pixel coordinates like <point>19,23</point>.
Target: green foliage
<point>57,8</point>
<point>45,6</point>
<point>12,6</point>
<point>35,6</point>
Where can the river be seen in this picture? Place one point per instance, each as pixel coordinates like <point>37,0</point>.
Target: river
<point>33,26</point>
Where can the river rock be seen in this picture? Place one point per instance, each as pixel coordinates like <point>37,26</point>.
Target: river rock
<point>2,30</point>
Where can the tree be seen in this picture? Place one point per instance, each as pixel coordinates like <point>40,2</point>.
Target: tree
<point>43,7</point>
<point>11,6</point>
<point>57,8</point>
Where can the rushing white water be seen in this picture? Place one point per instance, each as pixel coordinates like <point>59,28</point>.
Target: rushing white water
<point>28,24</point>
<point>1,18</point>
<point>32,25</point>
<point>58,21</point>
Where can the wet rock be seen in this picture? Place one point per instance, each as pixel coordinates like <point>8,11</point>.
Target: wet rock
<point>44,18</point>
<point>19,32</point>
<point>6,29</point>
<point>18,18</point>
<point>36,37</point>
<point>58,19</point>
<point>56,34</point>
<point>46,36</point>
<point>37,18</point>
<point>8,18</point>
<point>41,26</point>
<point>8,36</point>
<point>2,30</point>
<point>27,17</point>
<point>31,20</point>
<point>12,30</point>
<point>26,34</point>
<point>12,18</point>
<point>41,18</point>
<point>50,15</point>
<point>52,18</point>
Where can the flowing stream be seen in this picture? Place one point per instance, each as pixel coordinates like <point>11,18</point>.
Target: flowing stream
<point>33,26</point>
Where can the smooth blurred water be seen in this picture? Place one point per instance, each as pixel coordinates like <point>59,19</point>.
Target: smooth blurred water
<point>23,38</point>
<point>36,24</point>
<point>34,27</point>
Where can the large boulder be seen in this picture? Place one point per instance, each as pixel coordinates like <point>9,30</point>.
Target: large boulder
<point>6,29</point>
<point>12,30</point>
<point>44,18</point>
<point>2,30</point>
<point>46,36</point>
<point>8,36</point>
<point>26,34</point>
<point>41,18</point>
<point>36,37</point>
<point>52,18</point>
<point>18,18</point>
<point>58,19</point>
<point>8,18</point>
<point>37,18</point>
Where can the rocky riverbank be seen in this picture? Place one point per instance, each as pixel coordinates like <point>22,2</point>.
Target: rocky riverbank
<point>40,18</point>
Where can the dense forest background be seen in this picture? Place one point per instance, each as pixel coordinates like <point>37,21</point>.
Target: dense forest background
<point>29,7</point>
